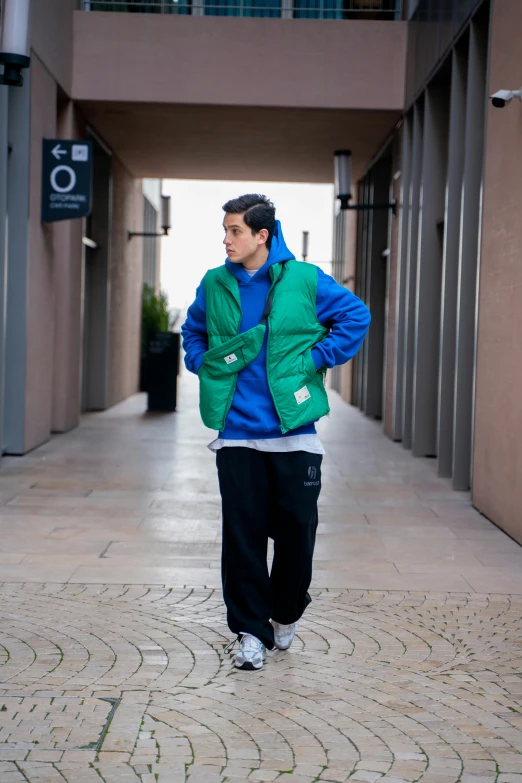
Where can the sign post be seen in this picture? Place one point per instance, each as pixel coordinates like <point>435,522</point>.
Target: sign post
<point>66,179</point>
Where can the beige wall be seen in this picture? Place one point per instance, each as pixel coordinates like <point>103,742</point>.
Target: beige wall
<point>234,61</point>
<point>40,294</point>
<point>125,282</point>
<point>54,262</point>
<point>55,282</point>
<point>497,485</point>
<point>52,37</point>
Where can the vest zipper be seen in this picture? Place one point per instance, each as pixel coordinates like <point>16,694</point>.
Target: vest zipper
<point>282,427</point>
<point>233,390</point>
<point>270,382</point>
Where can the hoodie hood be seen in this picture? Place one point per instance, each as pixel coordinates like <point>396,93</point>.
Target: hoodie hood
<point>278,252</point>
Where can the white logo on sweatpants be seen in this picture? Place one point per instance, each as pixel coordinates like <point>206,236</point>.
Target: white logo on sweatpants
<point>312,473</point>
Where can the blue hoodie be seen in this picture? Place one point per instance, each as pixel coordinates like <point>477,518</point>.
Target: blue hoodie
<point>253,415</point>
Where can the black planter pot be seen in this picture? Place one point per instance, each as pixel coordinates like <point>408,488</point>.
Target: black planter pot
<point>143,374</point>
<point>162,370</point>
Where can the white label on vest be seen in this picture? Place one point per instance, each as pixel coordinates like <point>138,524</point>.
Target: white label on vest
<point>302,395</point>
<point>230,359</point>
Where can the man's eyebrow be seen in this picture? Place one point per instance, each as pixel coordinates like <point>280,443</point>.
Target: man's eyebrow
<point>234,225</point>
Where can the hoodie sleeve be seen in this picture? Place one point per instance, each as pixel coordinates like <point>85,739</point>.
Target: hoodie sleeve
<point>345,315</point>
<point>194,331</point>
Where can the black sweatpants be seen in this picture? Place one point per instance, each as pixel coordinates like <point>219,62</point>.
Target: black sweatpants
<point>264,495</point>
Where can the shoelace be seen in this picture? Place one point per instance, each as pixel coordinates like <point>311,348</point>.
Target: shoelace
<point>228,649</point>
<point>251,643</point>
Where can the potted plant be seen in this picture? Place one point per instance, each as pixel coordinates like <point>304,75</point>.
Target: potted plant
<point>160,349</point>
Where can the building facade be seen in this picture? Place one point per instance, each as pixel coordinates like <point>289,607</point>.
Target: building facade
<point>443,357</point>
<point>248,89</point>
<point>70,296</point>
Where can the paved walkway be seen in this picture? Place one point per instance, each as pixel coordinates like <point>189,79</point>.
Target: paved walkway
<point>112,631</point>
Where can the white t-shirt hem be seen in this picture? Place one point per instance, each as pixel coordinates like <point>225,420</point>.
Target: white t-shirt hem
<point>309,443</point>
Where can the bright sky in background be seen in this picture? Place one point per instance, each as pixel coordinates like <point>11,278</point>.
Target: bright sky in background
<point>196,237</point>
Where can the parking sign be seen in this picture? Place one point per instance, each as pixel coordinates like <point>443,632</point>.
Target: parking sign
<point>66,179</point>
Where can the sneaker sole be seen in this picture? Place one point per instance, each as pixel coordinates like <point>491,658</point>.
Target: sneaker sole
<point>249,667</point>
<point>280,646</point>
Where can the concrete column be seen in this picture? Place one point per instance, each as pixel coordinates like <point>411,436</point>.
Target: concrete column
<point>412,240</point>
<point>391,258</point>
<point>338,272</point>
<point>450,265</point>
<point>356,361</point>
<point>376,288</point>
<point>350,263</point>
<point>67,303</point>
<point>469,252</point>
<point>402,270</point>
<point>125,285</point>
<point>17,262</point>
<point>95,374</point>
<point>40,322</point>
<point>429,272</point>
<point>361,284</point>
<point>4,154</point>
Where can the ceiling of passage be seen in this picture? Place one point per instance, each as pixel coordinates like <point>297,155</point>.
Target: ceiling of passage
<point>237,143</point>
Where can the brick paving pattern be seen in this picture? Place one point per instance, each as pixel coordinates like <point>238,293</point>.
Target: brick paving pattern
<point>53,723</point>
<point>384,686</point>
<point>407,666</point>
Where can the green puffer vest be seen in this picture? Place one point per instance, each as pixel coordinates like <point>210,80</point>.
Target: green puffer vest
<point>297,387</point>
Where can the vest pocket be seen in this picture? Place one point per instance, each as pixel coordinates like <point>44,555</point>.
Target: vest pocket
<point>235,354</point>
<point>215,394</point>
<point>309,368</point>
<point>224,348</point>
<point>225,359</point>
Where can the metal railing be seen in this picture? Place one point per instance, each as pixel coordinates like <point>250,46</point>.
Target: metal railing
<point>275,9</point>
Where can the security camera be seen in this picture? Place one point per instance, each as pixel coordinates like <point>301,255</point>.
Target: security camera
<point>500,98</point>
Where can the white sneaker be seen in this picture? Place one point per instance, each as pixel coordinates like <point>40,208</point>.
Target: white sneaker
<point>251,653</point>
<point>283,635</point>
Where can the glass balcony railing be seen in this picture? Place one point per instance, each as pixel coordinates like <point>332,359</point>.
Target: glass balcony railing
<point>277,9</point>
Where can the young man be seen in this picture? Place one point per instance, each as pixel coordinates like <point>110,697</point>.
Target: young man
<point>261,334</point>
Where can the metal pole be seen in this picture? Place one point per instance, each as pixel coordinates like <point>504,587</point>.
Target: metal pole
<point>305,245</point>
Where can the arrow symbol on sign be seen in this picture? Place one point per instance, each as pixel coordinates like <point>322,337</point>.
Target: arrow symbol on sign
<point>57,152</point>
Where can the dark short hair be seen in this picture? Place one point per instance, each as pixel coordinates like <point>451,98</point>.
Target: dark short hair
<point>258,212</point>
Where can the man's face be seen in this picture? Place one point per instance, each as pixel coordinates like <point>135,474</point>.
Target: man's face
<point>241,245</point>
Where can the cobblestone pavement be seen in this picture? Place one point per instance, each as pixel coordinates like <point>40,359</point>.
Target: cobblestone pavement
<point>406,667</point>
<point>378,686</point>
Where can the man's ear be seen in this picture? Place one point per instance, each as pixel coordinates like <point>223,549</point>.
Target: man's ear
<point>263,236</point>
